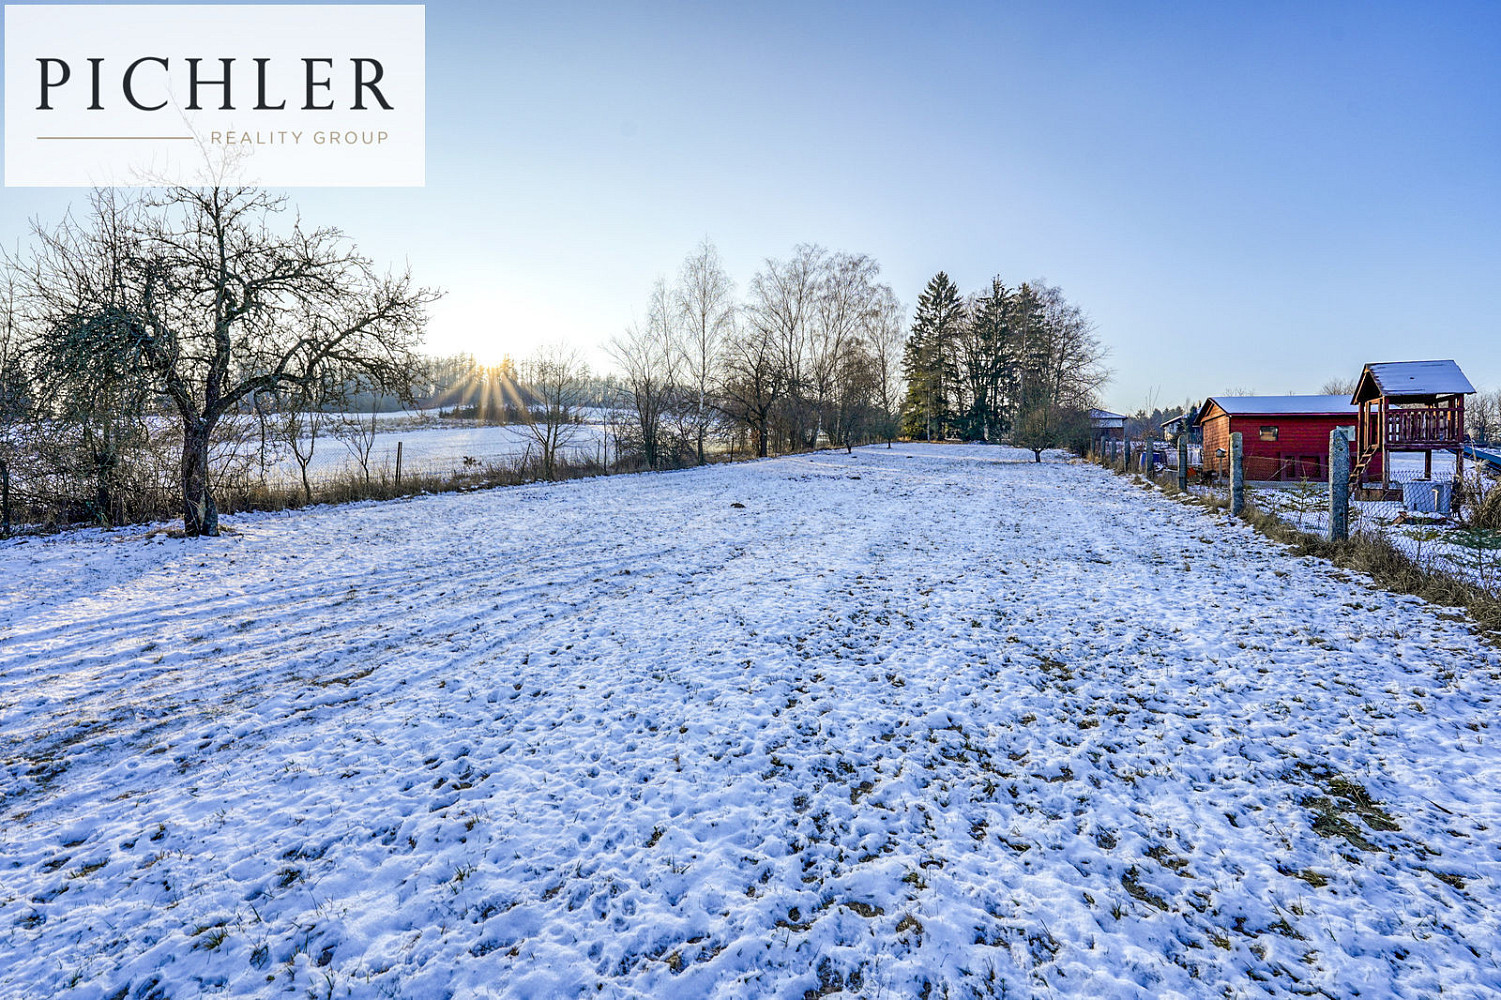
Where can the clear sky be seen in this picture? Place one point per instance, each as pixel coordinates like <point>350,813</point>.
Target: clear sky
<point>1257,196</point>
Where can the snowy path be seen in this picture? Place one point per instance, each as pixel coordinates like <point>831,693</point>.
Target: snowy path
<point>908,717</point>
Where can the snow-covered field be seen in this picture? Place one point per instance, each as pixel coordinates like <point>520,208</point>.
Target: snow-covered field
<point>929,721</point>
<point>439,449</point>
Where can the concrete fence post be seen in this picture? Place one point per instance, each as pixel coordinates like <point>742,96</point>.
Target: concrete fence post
<point>1339,486</point>
<point>1183,461</point>
<point>1237,475</point>
<point>398,463</point>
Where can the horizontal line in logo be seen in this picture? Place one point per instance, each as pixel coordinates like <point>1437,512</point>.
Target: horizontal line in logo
<point>128,138</point>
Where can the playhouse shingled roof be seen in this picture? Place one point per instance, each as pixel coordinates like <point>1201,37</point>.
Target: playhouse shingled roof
<point>1412,378</point>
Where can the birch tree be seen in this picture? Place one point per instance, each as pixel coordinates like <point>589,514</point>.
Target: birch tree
<point>647,358</point>
<point>886,337</point>
<point>779,309</point>
<point>705,314</point>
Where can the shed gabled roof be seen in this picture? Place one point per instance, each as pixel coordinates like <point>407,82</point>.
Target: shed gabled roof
<point>1411,378</point>
<point>1279,406</point>
<point>1105,415</point>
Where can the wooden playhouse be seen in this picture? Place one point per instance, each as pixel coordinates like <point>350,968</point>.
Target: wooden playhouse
<point>1406,406</point>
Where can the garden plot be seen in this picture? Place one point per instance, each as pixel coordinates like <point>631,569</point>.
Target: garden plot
<point>928,721</point>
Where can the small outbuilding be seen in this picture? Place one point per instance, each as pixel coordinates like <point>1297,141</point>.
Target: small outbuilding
<point>1106,426</point>
<point>1283,438</point>
<point>1407,406</point>
<point>1184,423</point>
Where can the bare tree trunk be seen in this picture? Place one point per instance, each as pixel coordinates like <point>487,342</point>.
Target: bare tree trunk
<point>199,516</point>
<point>4,499</point>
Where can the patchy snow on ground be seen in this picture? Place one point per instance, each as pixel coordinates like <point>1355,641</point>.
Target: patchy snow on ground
<point>928,721</point>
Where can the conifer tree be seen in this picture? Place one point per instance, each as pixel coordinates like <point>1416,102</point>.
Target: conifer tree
<point>930,362</point>
<point>989,363</point>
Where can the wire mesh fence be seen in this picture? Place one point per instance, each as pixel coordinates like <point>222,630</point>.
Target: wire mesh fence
<point>1439,511</point>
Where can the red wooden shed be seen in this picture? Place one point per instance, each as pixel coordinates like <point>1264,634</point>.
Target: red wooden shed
<point>1284,438</point>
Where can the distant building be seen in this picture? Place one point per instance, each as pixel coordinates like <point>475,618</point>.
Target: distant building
<point>1284,438</point>
<point>1106,426</point>
<point>1183,424</point>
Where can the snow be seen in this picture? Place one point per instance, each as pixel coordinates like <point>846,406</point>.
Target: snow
<point>1285,405</point>
<point>929,715</point>
<point>1419,378</point>
<point>440,449</point>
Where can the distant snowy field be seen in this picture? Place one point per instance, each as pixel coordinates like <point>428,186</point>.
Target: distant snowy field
<point>929,721</point>
<point>438,449</point>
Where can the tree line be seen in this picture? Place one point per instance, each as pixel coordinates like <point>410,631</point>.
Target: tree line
<point>819,351</point>
<point>162,344</point>
<point>809,355</point>
<point>1019,364</point>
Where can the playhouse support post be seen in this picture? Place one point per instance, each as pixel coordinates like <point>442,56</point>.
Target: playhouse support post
<point>1339,486</point>
<point>1237,476</point>
<point>1386,463</point>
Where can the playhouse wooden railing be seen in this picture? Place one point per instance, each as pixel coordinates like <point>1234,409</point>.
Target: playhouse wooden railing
<point>1424,426</point>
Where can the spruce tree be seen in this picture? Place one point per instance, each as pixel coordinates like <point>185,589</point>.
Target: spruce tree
<point>930,361</point>
<point>989,363</point>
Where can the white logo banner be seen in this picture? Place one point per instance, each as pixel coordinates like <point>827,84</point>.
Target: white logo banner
<point>278,95</point>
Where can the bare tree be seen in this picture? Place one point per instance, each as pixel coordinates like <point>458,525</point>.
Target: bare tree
<point>888,335</point>
<point>217,299</point>
<point>1073,357</point>
<point>854,396</point>
<point>357,432</point>
<point>556,380</point>
<point>1049,425</point>
<point>304,417</point>
<point>1483,414</point>
<point>706,310</point>
<point>13,377</point>
<point>91,405</point>
<point>1338,387</point>
<point>782,297</point>
<point>752,382</point>
<point>845,300</point>
<point>647,358</point>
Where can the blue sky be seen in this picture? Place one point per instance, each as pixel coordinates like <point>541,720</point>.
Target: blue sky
<point>1256,196</point>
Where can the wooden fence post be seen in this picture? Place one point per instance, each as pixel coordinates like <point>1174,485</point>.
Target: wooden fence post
<point>398,464</point>
<point>1237,475</point>
<point>1339,486</point>
<point>1183,462</point>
